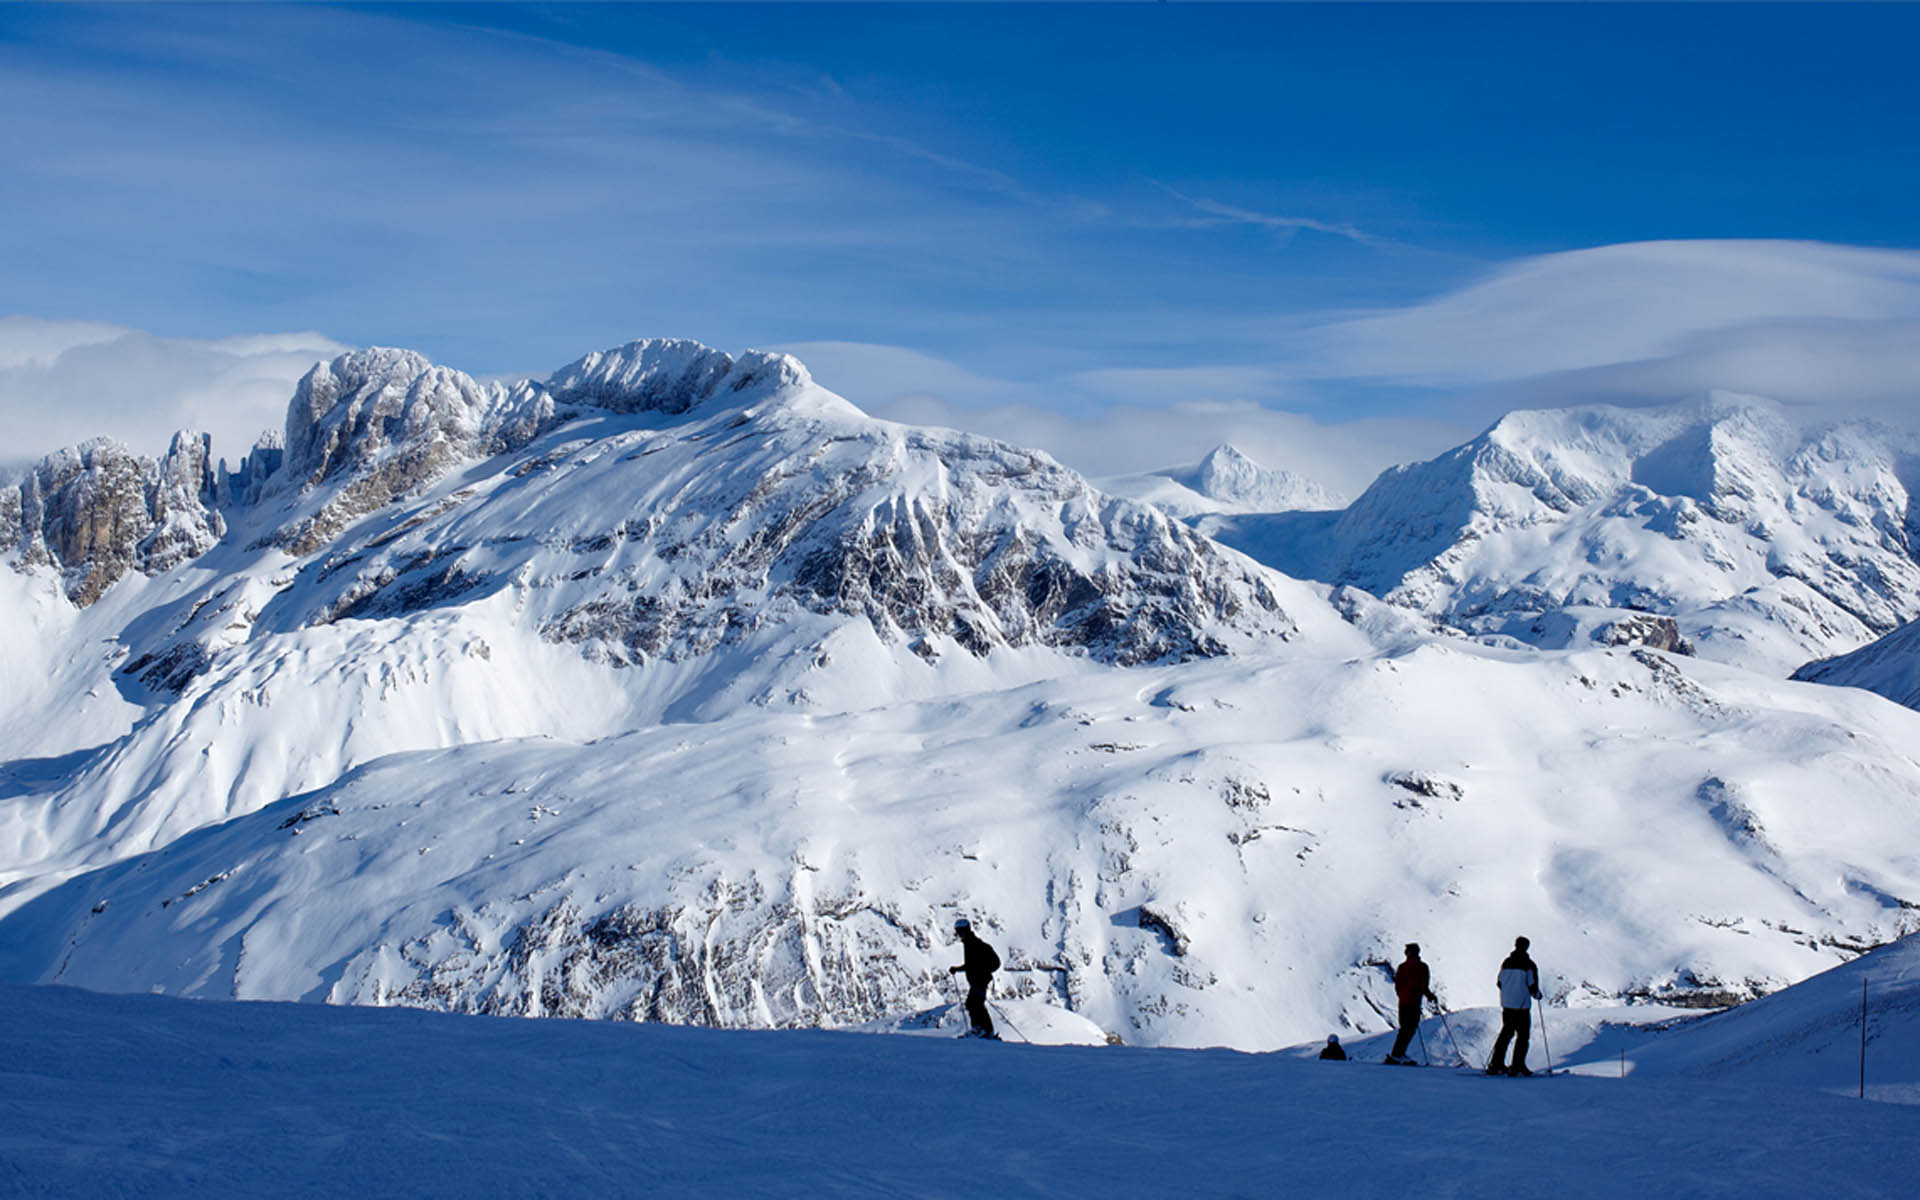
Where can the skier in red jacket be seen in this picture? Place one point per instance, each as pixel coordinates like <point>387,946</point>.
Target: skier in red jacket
<point>1410,983</point>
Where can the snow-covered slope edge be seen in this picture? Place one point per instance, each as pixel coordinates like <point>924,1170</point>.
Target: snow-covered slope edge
<point>1809,1035</point>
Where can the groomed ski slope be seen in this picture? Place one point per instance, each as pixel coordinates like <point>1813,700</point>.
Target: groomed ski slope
<point>105,1096</point>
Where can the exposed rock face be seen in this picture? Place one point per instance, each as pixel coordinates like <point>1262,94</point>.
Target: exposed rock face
<point>381,423</point>
<point>98,511</point>
<point>1643,629</point>
<point>668,375</point>
<point>247,484</point>
<point>733,959</point>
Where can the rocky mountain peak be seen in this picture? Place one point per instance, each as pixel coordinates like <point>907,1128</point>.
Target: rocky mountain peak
<point>669,375</point>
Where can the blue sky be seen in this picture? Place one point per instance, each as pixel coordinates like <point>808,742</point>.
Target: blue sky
<point>991,214</point>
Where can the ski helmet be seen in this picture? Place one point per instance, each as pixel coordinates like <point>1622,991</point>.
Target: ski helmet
<point>960,923</point>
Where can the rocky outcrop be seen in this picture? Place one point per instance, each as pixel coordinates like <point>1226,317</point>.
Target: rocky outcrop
<point>379,424</point>
<point>936,539</point>
<point>1643,629</point>
<point>98,511</point>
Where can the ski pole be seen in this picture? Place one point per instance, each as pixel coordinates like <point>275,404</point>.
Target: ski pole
<point>1008,1023</point>
<point>946,990</point>
<point>1544,1043</point>
<point>1448,1026</point>
<point>1426,1060</point>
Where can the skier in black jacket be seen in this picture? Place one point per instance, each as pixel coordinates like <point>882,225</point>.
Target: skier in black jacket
<point>981,962</point>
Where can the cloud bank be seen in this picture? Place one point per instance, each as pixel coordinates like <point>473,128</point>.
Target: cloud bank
<point>63,382</point>
<point>1121,421</point>
<point>1831,329</point>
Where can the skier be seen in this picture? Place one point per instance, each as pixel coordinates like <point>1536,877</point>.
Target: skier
<point>1334,1051</point>
<point>1410,980</point>
<point>981,962</point>
<point>1519,981</point>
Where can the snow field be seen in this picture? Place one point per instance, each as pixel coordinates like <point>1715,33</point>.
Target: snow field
<point>110,1096</point>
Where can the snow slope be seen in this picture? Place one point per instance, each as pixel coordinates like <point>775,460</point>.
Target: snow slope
<point>112,1096</point>
<point>1888,666</point>
<point>1809,1035</point>
<point>1210,853</point>
<point>1765,545</point>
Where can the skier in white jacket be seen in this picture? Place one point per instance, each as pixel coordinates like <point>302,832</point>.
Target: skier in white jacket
<point>1519,985</point>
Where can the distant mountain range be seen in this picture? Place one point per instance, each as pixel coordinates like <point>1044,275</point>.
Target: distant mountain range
<point>1716,527</point>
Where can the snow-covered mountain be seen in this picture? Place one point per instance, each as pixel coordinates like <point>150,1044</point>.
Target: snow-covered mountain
<point>1718,527</point>
<point>1225,481</point>
<point>674,687</point>
<point>748,536</point>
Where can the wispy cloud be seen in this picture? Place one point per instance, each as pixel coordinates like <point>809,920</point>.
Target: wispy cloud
<point>1616,304</point>
<point>439,186</point>
<point>1229,214</point>
<point>496,198</point>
